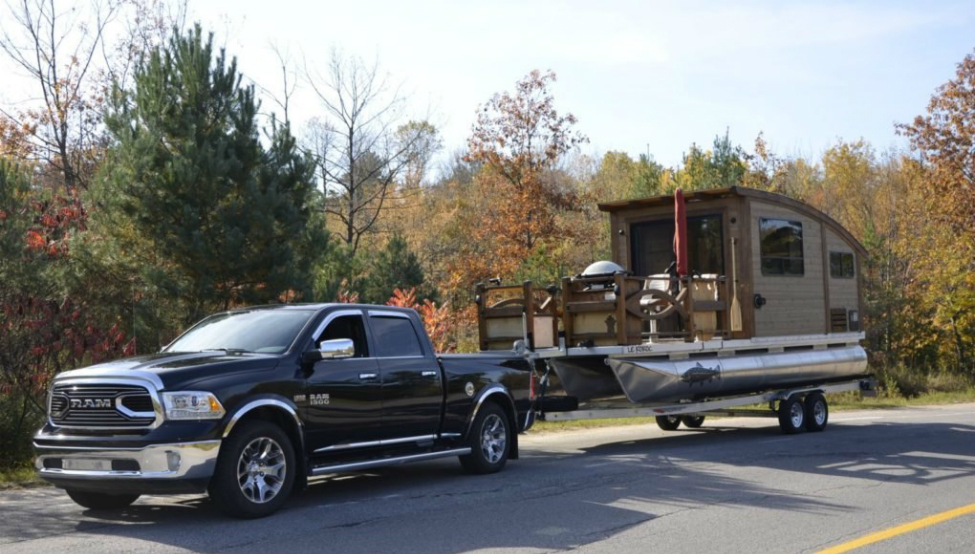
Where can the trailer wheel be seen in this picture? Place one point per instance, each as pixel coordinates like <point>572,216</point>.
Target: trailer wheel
<point>668,422</point>
<point>817,412</point>
<point>792,415</point>
<point>692,422</point>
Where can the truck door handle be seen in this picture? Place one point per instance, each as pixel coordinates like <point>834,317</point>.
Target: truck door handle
<point>429,374</point>
<point>367,376</point>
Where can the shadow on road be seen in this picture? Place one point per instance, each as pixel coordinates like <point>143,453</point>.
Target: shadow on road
<point>548,500</point>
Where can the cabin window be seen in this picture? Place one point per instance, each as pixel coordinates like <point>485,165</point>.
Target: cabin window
<point>652,245</point>
<point>841,264</point>
<point>781,247</point>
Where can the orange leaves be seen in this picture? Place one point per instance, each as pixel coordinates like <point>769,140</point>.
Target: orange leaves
<point>439,323</point>
<point>945,139</point>
<point>403,299</point>
<point>35,241</point>
<point>519,139</point>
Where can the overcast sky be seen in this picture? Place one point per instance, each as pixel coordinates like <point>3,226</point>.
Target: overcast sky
<point>638,75</point>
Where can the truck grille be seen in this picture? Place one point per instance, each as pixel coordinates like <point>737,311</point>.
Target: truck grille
<point>88,405</point>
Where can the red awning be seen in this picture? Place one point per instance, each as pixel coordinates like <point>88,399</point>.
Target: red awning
<point>680,234</point>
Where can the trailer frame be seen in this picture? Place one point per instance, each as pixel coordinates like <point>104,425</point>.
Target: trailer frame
<point>723,406</point>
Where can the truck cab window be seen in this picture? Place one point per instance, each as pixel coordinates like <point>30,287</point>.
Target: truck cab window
<point>396,337</point>
<point>347,327</point>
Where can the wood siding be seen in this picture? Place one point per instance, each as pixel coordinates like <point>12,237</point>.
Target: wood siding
<point>795,304</point>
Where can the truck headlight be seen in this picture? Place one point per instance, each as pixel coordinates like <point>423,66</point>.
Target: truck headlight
<point>192,405</point>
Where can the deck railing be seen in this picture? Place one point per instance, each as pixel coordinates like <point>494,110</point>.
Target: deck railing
<point>607,310</point>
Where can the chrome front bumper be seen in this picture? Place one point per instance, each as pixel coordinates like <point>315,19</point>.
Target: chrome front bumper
<point>187,460</point>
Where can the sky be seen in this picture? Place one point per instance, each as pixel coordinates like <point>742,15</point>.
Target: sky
<point>640,76</point>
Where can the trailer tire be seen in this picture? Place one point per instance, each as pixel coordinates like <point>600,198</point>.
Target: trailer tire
<point>490,441</point>
<point>668,422</point>
<point>100,500</point>
<point>817,412</point>
<point>792,415</point>
<point>692,422</point>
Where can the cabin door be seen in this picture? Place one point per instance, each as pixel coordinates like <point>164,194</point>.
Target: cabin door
<point>652,251</point>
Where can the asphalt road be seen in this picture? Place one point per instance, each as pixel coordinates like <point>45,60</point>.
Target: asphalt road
<point>736,485</point>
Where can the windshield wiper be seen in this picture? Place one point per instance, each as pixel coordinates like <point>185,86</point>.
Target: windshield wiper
<point>228,350</point>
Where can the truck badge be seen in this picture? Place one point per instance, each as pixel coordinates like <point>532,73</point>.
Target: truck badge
<point>469,388</point>
<point>318,400</point>
<point>90,403</point>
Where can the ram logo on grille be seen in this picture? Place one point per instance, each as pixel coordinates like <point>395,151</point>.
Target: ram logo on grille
<point>91,403</point>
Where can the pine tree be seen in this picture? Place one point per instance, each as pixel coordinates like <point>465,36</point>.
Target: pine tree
<point>394,267</point>
<point>211,216</point>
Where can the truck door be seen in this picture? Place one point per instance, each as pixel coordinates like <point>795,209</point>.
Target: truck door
<point>343,402</point>
<point>412,391</point>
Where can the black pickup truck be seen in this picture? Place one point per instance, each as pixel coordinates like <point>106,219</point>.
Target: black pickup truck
<point>248,404</point>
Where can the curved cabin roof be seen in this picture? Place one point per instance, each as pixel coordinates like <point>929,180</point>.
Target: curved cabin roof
<point>712,194</point>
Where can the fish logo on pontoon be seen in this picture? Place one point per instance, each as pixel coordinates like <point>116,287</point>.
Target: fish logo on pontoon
<point>701,374</point>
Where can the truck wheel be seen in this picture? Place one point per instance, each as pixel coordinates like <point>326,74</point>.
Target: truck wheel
<point>668,422</point>
<point>255,471</point>
<point>792,416</point>
<point>817,412</point>
<point>489,441</point>
<point>692,422</point>
<point>100,500</point>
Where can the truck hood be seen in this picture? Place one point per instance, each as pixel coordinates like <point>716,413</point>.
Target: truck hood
<point>170,370</point>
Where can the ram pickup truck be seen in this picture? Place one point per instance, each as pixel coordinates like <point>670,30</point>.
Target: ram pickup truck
<point>250,403</point>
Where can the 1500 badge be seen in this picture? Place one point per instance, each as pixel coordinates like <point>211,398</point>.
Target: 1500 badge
<point>313,399</point>
<point>318,399</point>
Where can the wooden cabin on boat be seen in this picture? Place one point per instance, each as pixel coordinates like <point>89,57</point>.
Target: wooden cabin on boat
<point>759,265</point>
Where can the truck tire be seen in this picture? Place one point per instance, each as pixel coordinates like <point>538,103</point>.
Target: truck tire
<point>792,415</point>
<point>692,421</point>
<point>490,441</point>
<point>100,500</point>
<point>817,412</point>
<point>668,422</point>
<point>255,471</point>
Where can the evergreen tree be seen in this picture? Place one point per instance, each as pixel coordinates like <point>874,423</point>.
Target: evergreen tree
<point>394,267</point>
<point>210,216</point>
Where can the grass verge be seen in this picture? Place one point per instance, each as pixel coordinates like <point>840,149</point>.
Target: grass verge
<point>20,477</point>
<point>837,403</point>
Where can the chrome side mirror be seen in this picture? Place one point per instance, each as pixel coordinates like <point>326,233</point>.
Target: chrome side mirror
<point>330,350</point>
<point>336,349</point>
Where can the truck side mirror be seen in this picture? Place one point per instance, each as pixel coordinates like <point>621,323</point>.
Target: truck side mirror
<point>330,350</point>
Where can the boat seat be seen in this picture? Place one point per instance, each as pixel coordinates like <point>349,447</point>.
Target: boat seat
<point>659,281</point>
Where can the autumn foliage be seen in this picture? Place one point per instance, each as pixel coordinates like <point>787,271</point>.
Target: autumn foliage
<point>115,233</point>
<point>438,321</point>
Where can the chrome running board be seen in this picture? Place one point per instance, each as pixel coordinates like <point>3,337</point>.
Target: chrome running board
<point>354,466</point>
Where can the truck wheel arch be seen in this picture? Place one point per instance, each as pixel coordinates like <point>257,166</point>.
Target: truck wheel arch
<point>281,413</point>
<point>499,395</point>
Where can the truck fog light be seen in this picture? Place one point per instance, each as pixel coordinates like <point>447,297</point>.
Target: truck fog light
<point>172,460</point>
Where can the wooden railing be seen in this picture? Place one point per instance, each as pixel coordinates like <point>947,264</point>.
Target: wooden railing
<point>507,313</point>
<point>604,311</point>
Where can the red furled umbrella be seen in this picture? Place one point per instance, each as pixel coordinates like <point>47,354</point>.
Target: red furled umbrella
<point>680,234</point>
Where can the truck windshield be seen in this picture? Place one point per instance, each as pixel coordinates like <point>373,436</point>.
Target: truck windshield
<point>265,331</point>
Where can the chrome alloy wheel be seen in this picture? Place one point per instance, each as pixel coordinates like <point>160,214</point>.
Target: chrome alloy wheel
<point>796,415</point>
<point>819,413</point>
<point>261,470</point>
<point>493,438</point>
